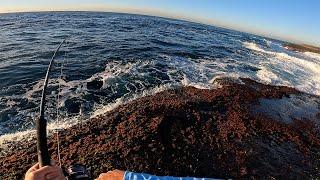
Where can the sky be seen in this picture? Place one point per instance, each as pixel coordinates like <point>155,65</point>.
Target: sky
<point>292,20</point>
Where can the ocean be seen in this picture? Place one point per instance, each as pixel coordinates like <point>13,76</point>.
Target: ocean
<point>112,58</point>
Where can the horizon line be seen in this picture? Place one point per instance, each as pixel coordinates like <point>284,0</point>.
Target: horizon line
<point>174,17</point>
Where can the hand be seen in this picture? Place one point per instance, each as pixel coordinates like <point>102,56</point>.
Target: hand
<point>44,173</point>
<point>112,175</point>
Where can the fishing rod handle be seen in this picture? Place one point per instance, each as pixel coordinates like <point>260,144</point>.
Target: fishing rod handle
<point>44,158</point>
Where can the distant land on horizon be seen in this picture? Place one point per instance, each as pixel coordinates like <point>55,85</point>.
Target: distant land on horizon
<point>302,48</point>
<point>295,46</point>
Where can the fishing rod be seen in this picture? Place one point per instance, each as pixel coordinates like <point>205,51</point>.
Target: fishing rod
<point>44,157</point>
<point>74,172</point>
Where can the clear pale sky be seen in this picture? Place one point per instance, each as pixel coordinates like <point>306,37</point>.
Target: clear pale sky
<point>294,20</point>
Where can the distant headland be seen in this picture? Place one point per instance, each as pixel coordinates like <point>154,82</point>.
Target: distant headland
<point>302,47</point>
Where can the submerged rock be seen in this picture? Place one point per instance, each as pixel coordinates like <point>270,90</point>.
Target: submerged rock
<point>73,105</point>
<point>94,84</point>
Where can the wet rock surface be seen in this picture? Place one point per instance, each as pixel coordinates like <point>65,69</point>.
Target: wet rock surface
<point>189,132</point>
<point>94,84</point>
<point>73,105</point>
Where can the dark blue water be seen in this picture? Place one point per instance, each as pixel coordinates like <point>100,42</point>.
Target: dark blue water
<point>110,58</point>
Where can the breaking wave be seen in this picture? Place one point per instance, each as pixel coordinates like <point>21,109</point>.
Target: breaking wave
<point>288,68</point>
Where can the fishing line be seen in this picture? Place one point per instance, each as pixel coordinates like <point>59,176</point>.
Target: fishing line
<point>41,123</point>
<point>60,79</point>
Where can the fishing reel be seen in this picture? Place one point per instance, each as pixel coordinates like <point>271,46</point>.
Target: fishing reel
<point>78,172</point>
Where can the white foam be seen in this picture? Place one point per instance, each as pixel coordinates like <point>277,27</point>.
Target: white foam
<point>280,68</point>
<point>312,55</point>
<point>7,140</point>
<point>100,110</point>
<point>253,46</point>
<point>267,76</point>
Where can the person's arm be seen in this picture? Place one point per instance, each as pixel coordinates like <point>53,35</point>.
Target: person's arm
<point>127,175</point>
<point>44,173</point>
<point>141,176</point>
<point>112,175</point>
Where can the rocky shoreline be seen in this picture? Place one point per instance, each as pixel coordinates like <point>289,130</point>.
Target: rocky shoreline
<point>302,48</point>
<point>219,133</point>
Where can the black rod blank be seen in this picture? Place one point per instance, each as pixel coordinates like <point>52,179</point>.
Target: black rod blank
<point>44,157</point>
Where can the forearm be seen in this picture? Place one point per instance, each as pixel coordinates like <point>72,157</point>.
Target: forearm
<point>141,176</point>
